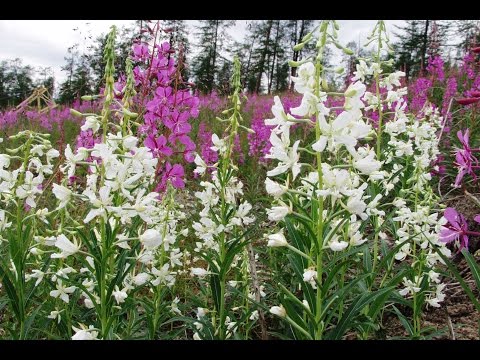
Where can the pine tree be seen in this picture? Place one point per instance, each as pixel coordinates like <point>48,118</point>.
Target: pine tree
<point>212,36</point>
<point>409,47</point>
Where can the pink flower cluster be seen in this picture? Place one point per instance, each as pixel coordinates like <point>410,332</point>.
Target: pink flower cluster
<point>167,106</point>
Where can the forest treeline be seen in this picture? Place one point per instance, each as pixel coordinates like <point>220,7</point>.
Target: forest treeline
<point>207,61</point>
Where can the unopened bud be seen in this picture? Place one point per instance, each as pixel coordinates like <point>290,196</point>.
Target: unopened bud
<point>75,112</point>
<point>307,38</point>
<point>299,47</point>
<point>347,51</point>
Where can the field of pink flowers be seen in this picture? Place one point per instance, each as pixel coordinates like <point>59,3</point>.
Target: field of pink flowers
<point>150,211</point>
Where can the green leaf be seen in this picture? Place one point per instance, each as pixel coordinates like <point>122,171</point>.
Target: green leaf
<point>406,324</point>
<point>10,289</point>
<point>216,292</point>
<point>347,320</point>
<point>474,267</point>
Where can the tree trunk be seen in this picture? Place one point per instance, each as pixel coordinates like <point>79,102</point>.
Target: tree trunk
<point>274,57</point>
<point>424,45</point>
<point>264,55</point>
<point>214,58</point>
<point>296,54</point>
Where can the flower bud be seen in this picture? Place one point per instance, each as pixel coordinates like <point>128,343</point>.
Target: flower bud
<point>75,112</point>
<point>299,47</point>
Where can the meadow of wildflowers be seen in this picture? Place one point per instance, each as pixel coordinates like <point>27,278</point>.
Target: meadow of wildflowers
<point>150,211</point>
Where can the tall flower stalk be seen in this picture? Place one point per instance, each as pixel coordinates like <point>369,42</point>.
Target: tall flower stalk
<point>222,228</point>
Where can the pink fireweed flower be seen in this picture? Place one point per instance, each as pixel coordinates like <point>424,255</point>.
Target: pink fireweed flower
<point>456,228</point>
<point>158,146</point>
<point>174,174</point>
<point>464,158</point>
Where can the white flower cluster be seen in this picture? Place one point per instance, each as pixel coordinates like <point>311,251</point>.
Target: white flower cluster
<point>408,154</point>
<point>339,186</point>
<point>25,183</point>
<point>116,193</point>
<point>210,226</point>
<point>420,226</point>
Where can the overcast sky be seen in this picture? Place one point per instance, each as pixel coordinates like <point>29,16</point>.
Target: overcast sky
<point>44,43</point>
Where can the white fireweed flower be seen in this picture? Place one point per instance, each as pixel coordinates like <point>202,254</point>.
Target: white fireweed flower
<point>306,78</point>
<point>278,213</point>
<point>367,165</point>
<point>4,161</point>
<point>335,134</point>
<point>439,296</point>
<point>30,188</point>
<point>410,286</point>
<point>62,291</point>
<point>85,333</point>
<point>100,205</point>
<point>119,295</point>
<point>71,159</point>
<point>91,122</point>
<point>277,240</point>
<point>52,154</point>
<point>392,80</point>
<point>353,96</point>
<point>63,194</point>
<point>55,314</point>
<point>336,245</point>
<point>288,157</point>
<point>141,279</point>
<point>310,105</point>
<point>218,144</point>
<point>310,276</point>
<point>174,306</point>
<point>36,274</point>
<point>200,272</point>
<point>130,142</point>
<point>281,120</point>
<point>275,189</point>
<point>279,311</point>
<point>357,206</point>
<point>201,165</point>
<point>363,70</point>
<point>68,248</point>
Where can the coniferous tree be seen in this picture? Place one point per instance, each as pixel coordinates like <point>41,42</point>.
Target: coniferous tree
<point>212,36</point>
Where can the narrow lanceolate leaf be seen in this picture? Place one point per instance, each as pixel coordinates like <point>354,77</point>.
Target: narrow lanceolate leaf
<point>406,324</point>
<point>355,308</point>
<point>474,267</point>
